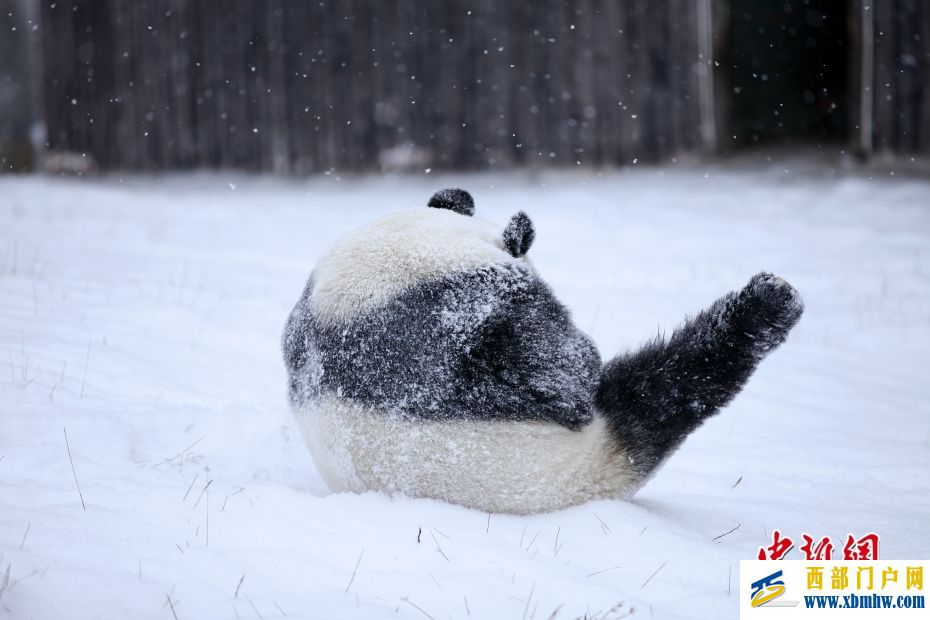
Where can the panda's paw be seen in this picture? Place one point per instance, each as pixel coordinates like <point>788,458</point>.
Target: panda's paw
<point>777,305</point>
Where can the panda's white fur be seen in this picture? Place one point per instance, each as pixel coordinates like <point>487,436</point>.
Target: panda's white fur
<point>478,463</point>
<point>377,262</point>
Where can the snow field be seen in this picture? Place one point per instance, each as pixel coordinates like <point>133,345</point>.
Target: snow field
<point>143,316</point>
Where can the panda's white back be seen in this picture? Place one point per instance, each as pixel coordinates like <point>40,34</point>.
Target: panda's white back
<point>375,263</point>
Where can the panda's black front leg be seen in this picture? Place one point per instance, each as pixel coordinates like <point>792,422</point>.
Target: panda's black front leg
<point>655,397</point>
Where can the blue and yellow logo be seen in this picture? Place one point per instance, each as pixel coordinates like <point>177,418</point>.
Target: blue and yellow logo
<point>767,589</point>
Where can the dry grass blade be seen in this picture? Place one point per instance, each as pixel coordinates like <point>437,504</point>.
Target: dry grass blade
<point>254,608</point>
<point>417,607</point>
<point>204,490</point>
<point>187,449</point>
<point>357,563</point>
<point>603,570</point>
<point>528,599</point>
<point>5,582</point>
<point>726,533</point>
<point>438,548</point>
<point>239,585</point>
<point>654,574</point>
<point>171,605</point>
<point>71,460</point>
<point>184,499</point>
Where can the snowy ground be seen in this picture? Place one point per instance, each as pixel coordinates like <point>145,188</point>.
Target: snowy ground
<point>143,316</point>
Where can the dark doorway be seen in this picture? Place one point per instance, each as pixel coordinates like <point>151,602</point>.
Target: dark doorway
<point>788,71</point>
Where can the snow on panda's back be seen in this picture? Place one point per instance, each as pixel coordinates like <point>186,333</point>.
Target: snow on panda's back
<point>377,262</point>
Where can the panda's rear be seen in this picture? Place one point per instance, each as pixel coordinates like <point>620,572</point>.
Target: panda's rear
<point>426,356</point>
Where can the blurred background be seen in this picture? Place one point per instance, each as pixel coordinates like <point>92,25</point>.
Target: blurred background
<point>300,87</point>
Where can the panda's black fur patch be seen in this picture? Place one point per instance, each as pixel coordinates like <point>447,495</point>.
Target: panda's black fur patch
<point>453,199</point>
<point>488,344</point>
<point>519,234</point>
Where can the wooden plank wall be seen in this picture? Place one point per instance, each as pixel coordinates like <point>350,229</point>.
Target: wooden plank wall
<point>902,75</point>
<point>891,71</point>
<point>294,86</point>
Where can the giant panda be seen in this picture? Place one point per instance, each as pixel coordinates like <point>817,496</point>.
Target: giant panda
<point>427,357</point>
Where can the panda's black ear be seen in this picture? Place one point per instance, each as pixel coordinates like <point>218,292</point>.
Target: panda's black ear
<point>519,234</point>
<point>453,199</point>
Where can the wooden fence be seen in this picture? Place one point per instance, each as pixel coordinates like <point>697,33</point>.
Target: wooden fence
<point>300,86</point>
<point>354,85</point>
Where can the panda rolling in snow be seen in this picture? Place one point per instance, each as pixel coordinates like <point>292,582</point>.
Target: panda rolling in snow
<point>427,357</point>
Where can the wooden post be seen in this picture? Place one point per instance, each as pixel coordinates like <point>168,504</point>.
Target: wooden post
<point>706,75</point>
<point>866,76</point>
